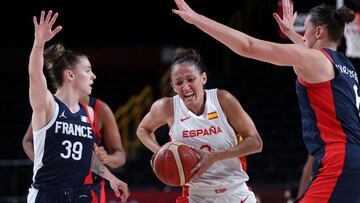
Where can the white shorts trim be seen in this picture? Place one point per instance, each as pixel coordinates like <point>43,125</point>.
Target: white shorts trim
<point>32,195</point>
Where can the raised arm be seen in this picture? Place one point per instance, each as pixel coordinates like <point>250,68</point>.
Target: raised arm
<point>116,156</point>
<point>28,143</point>
<point>161,112</point>
<point>311,64</point>
<point>41,99</point>
<point>116,184</point>
<point>286,23</point>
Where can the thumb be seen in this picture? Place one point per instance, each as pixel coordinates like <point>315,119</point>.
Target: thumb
<point>277,18</point>
<point>95,147</point>
<point>175,11</point>
<point>194,149</point>
<point>295,15</point>
<point>152,160</point>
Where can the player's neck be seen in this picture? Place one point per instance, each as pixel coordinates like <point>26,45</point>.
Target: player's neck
<point>85,99</point>
<point>329,45</point>
<point>69,99</point>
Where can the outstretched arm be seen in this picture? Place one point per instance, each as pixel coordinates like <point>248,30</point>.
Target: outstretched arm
<point>41,99</point>
<point>116,156</point>
<point>311,64</point>
<point>240,42</point>
<point>28,143</point>
<point>286,24</point>
<point>116,184</point>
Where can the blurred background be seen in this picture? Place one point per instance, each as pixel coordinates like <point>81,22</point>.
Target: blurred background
<point>129,44</point>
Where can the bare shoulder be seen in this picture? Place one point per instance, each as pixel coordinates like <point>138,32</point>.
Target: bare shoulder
<point>228,102</point>
<point>104,107</point>
<point>317,67</point>
<point>161,112</point>
<point>163,105</point>
<point>225,96</point>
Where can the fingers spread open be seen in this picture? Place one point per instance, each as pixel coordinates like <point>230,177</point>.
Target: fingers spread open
<point>53,19</point>
<point>277,18</point>
<point>42,15</point>
<point>57,29</point>
<point>35,22</point>
<point>48,16</point>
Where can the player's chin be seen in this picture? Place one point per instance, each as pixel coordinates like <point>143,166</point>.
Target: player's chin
<point>89,90</point>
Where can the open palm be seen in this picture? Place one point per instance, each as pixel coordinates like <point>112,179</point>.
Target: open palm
<point>286,24</point>
<point>184,11</point>
<point>43,28</point>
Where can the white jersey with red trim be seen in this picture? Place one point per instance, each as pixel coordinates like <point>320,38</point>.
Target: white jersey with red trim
<point>209,131</point>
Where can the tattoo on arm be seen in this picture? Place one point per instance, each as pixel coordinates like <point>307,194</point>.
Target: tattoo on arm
<point>98,167</point>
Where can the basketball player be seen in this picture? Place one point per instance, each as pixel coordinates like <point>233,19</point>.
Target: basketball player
<point>108,134</point>
<point>105,125</point>
<point>286,25</point>
<point>209,121</point>
<point>328,93</point>
<point>306,176</point>
<point>62,128</point>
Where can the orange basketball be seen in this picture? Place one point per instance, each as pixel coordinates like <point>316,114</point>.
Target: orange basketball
<point>173,163</point>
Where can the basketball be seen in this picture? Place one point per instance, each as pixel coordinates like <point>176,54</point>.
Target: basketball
<point>173,163</point>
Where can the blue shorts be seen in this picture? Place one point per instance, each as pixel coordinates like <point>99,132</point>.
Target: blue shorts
<point>98,191</point>
<point>61,195</point>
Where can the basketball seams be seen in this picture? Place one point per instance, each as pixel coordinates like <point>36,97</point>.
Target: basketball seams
<point>174,149</point>
<point>173,162</point>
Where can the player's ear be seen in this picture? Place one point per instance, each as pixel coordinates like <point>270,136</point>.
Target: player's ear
<point>319,32</point>
<point>172,85</point>
<point>204,78</point>
<point>68,74</point>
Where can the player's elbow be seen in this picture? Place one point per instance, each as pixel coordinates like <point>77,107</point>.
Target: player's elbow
<point>142,133</point>
<point>24,142</point>
<point>245,48</point>
<point>122,159</point>
<point>258,144</point>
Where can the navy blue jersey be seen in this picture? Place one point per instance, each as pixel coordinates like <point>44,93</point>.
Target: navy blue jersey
<point>330,110</point>
<point>63,148</point>
<point>93,102</point>
<point>331,132</point>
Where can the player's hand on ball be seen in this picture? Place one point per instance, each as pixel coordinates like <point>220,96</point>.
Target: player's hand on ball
<point>152,162</point>
<point>172,164</point>
<point>206,160</point>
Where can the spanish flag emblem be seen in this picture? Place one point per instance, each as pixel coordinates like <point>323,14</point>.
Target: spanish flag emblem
<point>212,115</point>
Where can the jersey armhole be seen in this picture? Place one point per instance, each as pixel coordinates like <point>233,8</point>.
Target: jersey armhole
<point>50,123</point>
